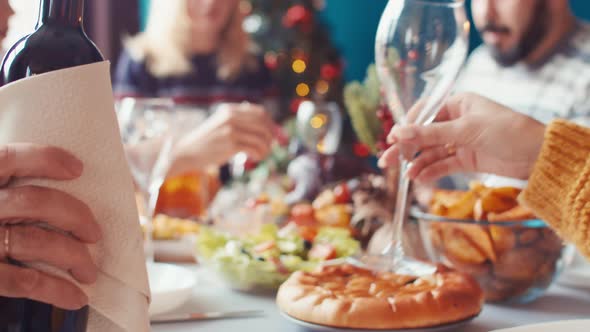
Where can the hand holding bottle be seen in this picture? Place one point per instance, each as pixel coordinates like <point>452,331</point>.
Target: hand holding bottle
<point>24,242</point>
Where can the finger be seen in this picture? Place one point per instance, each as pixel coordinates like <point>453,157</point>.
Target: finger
<point>442,115</point>
<point>391,138</point>
<point>258,129</point>
<point>254,136</point>
<point>32,160</point>
<point>253,110</point>
<point>427,158</point>
<point>33,244</point>
<point>255,117</point>
<point>439,169</point>
<point>254,146</point>
<point>27,283</point>
<point>390,158</point>
<point>415,110</point>
<point>249,117</point>
<point>423,137</point>
<point>54,207</point>
<point>249,110</point>
<point>458,105</point>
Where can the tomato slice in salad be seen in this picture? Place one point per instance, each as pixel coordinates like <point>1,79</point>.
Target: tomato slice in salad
<point>322,251</point>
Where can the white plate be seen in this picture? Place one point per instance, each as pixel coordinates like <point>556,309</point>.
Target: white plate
<point>324,328</point>
<point>577,276</point>
<point>569,326</point>
<point>171,286</point>
<point>181,250</point>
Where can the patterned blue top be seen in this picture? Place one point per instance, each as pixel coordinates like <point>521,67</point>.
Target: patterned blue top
<point>201,87</point>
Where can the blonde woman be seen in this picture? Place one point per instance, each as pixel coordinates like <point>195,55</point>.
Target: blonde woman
<point>196,52</point>
<point>6,12</point>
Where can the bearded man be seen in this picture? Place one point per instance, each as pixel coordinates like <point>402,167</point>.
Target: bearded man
<point>535,58</point>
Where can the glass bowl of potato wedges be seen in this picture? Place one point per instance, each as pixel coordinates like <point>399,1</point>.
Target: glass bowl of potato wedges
<point>485,232</point>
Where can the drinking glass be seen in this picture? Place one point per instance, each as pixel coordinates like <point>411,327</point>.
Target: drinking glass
<point>420,48</point>
<point>149,128</point>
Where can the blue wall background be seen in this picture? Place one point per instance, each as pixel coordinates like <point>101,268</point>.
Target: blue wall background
<point>354,23</point>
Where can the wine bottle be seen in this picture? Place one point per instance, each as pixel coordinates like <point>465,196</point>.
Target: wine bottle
<point>58,42</point>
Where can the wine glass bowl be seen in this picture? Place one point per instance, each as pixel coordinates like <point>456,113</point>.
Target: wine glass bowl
<point>145,123</point>
<point>420,48</point>
<point>319,126</point>
<point>149,129</point>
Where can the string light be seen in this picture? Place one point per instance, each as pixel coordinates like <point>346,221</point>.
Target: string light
<point>299,66</point>
<point>245,7</point>
<point>322,87</point>
<point>466,26</point>
<point>302,90</point>
<point>318,121</point>
<point>321,146</point>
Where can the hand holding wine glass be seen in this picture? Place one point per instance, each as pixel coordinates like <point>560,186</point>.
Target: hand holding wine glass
<point>477,144</point>
<point>231,129</point>
<point>24,242</point>
<point>420,48</point>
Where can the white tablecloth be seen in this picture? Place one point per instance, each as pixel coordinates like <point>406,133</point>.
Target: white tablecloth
<point>558,304</point>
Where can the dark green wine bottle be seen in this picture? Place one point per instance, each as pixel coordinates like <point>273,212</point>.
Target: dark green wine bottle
<point>58,42</point>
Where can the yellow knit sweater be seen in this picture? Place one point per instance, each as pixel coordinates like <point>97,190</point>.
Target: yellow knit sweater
<point>559,187</point>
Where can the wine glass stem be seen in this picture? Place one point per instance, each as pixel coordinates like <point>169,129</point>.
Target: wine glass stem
<point>400,214</point>
<point>148,227</point>
<point>150,200</point>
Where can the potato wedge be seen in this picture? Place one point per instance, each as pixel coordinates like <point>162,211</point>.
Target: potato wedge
<point>458,245</point>
<point>494,202</point>
<point>481,238</point>
<point>503,238</point>
<point>463,208</point>
<point>446,197</point>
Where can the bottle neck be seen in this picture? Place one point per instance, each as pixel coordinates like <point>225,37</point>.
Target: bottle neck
<point>63,12</point>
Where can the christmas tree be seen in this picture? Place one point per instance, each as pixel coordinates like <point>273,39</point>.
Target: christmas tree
<point>297,49</point>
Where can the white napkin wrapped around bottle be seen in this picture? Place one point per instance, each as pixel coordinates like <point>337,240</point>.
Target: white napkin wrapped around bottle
<point>74,109</point>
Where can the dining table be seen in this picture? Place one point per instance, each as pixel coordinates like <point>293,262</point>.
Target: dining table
<point>212,295</point>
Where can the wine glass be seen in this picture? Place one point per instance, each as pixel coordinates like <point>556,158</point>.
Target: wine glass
<point>149,128</point>
<point>420,48</point>
<point>319,126</point>
<point>238,164</point>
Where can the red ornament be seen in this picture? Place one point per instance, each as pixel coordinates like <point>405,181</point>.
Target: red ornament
<point>381,146</point>
<point>400,64</point>
<point>330,71</point>
<point>250,164</point>
<point>271,61</point>
<point>383,114</point>
<point>295,105</point>
<point>281,136</point>
<point>386,125</point>
<point>297,15</point>
<point>361,150</point>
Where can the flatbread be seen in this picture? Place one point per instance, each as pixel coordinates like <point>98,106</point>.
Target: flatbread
<point>346,296</point>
